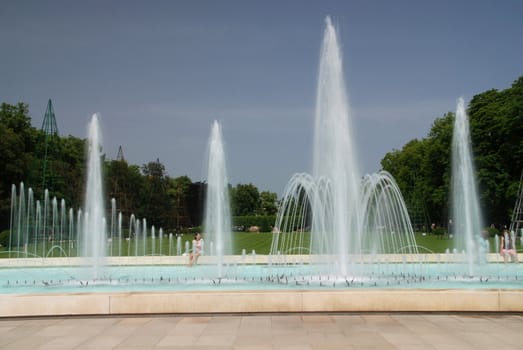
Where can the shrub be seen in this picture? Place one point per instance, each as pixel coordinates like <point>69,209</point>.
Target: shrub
<point>4,238</point>
<point>264,222</point>
<point>492,231</point>
<point>439,231</point>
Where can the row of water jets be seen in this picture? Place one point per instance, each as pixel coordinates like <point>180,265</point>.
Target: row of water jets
<point>50,229</point>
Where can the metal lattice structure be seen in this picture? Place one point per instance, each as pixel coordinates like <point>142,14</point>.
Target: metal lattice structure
<point>50,129</point>
<point>49,125</point>
<point>418,214</point>
<point>517,215</point>
<point>416,207</point>
<point>120,156</point>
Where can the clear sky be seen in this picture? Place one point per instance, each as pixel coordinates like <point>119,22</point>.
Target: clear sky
<point>159,73</point>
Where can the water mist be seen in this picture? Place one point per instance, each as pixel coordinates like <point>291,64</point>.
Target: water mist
<point>217,222</point>
<point>334,154</point>
<point>466,215</point>
<point>94,225</point>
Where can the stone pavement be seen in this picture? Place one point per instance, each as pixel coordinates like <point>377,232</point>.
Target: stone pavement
<point>260,332</point>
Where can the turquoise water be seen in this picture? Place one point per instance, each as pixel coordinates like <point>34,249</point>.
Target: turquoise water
<point>258,277</point>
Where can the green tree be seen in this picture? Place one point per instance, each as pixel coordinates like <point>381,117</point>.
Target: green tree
<point>407,168</point>
<point>178,192</point>
<point>17,140</point>
<point>156,200</point>
<point>245,200</point>
<point>69,168</point>
<point>134,189</point>
<point>496,119</point>
<point>422,169</point>
<point>125,184</point>
<point>268,203</point>
<point>436,167</point>
<point>496,124</point>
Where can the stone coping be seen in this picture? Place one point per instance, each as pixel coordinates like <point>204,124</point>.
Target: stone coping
<point>196,302</point>
<point>238,259</point>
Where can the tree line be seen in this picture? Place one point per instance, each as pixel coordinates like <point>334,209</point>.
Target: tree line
<point>57,163</point>
<point>422,168</point>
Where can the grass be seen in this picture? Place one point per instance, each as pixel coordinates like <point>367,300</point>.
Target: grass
<point>426,243</point>
<point>439,244</point>
<point>259,242</point>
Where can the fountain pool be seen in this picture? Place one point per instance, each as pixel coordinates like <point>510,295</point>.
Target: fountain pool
<point>389,283</point>
<point>445,271</point>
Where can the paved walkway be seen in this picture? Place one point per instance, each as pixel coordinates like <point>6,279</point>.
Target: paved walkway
<point>260,332</point>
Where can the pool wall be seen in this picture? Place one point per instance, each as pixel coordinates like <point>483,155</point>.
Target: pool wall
<point>261,301</point>
<point>254,301</point>
<point>238,259</point>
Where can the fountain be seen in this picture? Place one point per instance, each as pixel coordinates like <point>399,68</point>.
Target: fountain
<point>346,217</point>
<point>465,201</point>
<point>342,242</point>
<point>93,235</point>
<point>217,222</point>
<point>334,157</point>
<point>49,226</point>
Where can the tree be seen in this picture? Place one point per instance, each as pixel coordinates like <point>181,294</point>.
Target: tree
<point>178,192</point>
<point>436,170</point>
<point>69,167</point>
<point>496,125</point>
<point>195,205</point>
<point>407,168</point>
<point>268,203</point>
<point>496,120</point>
<point>16,146</point>
<point>126,184</point>
<point>156,200</point>
<point>245,200</point>
<point>422,169</point>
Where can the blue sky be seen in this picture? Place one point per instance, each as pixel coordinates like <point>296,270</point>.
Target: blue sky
<point>159,73</point>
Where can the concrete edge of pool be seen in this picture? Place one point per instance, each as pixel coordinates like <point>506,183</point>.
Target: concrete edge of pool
<point>255,301</point>
<point>121,303</point>
<point>238,259</point>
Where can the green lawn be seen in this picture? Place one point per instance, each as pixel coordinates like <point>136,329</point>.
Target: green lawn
<point>437,244</point>
<point>260,242</point>
<point>426,244</point>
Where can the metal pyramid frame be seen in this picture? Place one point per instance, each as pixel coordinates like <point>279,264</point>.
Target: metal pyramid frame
<point>517,215</point>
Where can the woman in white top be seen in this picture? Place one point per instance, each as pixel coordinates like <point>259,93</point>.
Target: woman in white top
<point>508,246</point>
<point>197,248</point>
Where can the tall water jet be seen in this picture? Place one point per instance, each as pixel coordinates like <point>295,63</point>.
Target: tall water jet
<point>345,214</point>
<point>466,213</point>
<point>334,155</point>
<point>217,224</point>
<point>94,230</point>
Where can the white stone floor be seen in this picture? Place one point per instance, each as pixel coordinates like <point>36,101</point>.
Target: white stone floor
<point>260,332</point>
